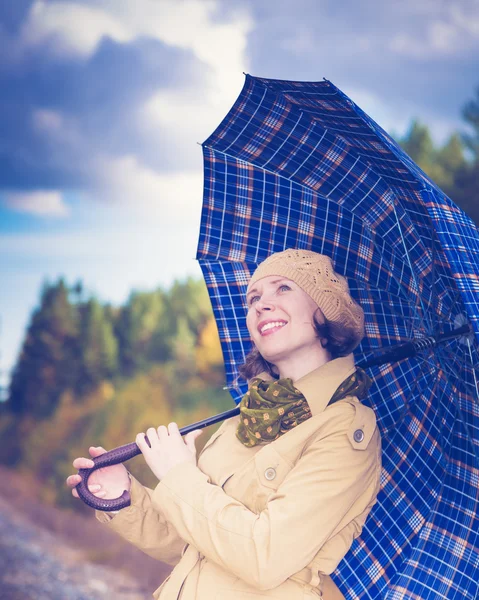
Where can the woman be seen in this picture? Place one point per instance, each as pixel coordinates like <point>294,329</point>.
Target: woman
<point>279,492</point>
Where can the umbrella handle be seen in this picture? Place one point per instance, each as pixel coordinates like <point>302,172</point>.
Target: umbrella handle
<point>124,453</point>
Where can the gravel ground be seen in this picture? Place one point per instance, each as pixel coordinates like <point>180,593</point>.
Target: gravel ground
<point>36,565</point>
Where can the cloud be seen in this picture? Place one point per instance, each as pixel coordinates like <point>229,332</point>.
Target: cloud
<point>70,28</point>
<point>451,30</point>
<point>40,203</point>
<point>174,197</point>
<point>90,86</point>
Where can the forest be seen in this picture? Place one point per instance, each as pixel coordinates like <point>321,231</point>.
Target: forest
<point>94,374</point>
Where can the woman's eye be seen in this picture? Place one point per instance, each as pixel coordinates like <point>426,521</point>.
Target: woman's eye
<point>284,288</point>
<point>253,299</point>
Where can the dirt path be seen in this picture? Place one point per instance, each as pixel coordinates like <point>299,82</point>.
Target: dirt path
<point>37,565</point>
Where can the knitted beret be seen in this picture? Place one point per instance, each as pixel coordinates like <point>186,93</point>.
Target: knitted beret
<point>314,274</point>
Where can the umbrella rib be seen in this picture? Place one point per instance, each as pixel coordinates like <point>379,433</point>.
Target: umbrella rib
<point>375,290</point>
<point>251,118</point>
<point>405,404</point>
<point>408,258</point>
<point>453,358</point>
<point>433,290</point>
<point>289,210</point>
<point>310,154</point>
<point>460,415</point>
<point>261,217</point>
<point>473,369</point>
<point>344,176</point>
<point>285,140</point>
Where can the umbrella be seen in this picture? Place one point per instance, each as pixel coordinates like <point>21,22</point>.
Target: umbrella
<point>299,165</point>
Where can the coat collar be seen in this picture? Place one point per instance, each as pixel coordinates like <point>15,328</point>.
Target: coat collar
<point>319,385</point>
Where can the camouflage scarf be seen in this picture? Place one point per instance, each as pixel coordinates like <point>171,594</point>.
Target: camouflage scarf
<point>271,408</point>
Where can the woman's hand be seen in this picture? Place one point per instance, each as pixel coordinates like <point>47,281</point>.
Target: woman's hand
<point>168,448</point>
<point>106,483</point>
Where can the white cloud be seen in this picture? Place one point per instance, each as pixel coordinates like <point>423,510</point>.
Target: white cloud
<point>451,30</point>
<point>180,115</point>
<point>191,25</point>
<point>40,203</point>
<point>71,27</point>
<point>176,196</point>
<point>468,22</point>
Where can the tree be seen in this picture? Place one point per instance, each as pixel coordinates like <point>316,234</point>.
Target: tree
<point>189,299</point>
<point>470,114</point>
<point>466,183</point>
<point>440,164</point>
<point>48,362</point>
<point>98,347</point>
<point>142,331</point>
<point>447,166</point>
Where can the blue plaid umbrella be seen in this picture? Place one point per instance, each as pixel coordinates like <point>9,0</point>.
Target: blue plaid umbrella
<point>299,165</point>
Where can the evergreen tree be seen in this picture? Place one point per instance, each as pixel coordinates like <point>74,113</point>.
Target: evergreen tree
<point>451,160</point>
<point>470,113</point>
<point>98,347</point>
<point>466,183</point>
<point>142,330</point>
<point>48,363</point>
<point>440,164</point>
<point>189,299</point>
<point>418,144</point>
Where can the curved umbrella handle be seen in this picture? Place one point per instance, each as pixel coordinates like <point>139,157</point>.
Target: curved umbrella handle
<point>124,453</point>
<point>112,457</point>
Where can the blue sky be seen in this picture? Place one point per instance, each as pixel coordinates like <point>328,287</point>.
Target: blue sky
<point>103,103</point>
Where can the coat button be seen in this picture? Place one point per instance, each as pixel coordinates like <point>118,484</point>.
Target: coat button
<point>270,473</point>
<point>358,436</point>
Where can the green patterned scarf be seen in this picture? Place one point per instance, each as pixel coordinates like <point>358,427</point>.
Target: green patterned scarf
<point>271,408</point>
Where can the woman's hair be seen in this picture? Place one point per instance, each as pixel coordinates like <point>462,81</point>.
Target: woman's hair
<point>340,342</point>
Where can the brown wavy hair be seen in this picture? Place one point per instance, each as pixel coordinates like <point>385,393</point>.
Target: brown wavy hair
<point>340,342</point>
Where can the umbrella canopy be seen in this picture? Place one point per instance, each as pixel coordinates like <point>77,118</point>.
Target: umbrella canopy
<point>299,165</point>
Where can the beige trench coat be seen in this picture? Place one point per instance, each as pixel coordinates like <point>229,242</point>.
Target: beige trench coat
<point>269,522</point>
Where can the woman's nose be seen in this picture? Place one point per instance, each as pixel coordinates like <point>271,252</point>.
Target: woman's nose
<point>264,304</point>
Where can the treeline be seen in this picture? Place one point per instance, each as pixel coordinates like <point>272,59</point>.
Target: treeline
<point>454,167</point>
<point>93,374</point>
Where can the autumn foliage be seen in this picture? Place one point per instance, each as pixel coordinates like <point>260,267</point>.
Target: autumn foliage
<point>93,374</point>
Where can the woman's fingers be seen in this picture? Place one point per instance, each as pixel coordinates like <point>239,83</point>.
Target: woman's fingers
<point>96,451</point>
<point>95,488</point>
<point>162,432</point>
<point>190,439</point>
<point>172,428</point>
<point>73,480</point>
<point>83,463</point>
<point>97,493</point>
<point>141,441</point>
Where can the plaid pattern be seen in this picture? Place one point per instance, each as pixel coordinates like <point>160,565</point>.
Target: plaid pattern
<point>299,165</point>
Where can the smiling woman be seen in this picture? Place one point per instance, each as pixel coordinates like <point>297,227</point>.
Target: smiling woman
<point>279,492</point>
<point>323,314</point>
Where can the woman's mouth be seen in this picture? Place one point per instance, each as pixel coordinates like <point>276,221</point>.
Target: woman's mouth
<point>271,327</point>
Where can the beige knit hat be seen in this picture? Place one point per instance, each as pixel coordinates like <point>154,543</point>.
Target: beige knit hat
<point>315,275</point>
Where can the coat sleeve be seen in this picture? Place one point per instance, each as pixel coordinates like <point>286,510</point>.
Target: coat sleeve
<point>144,526</point>
<point>331,484</point>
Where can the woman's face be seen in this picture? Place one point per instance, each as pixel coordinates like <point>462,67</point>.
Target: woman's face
<point>280,320</point>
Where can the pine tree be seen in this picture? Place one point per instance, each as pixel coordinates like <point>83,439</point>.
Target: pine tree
<point>98,347</point>
<point>48,363</point>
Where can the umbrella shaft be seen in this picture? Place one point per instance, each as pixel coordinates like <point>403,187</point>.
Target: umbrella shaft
<point>410,349</point>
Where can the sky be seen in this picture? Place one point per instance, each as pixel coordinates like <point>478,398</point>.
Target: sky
<point>104,103</point>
